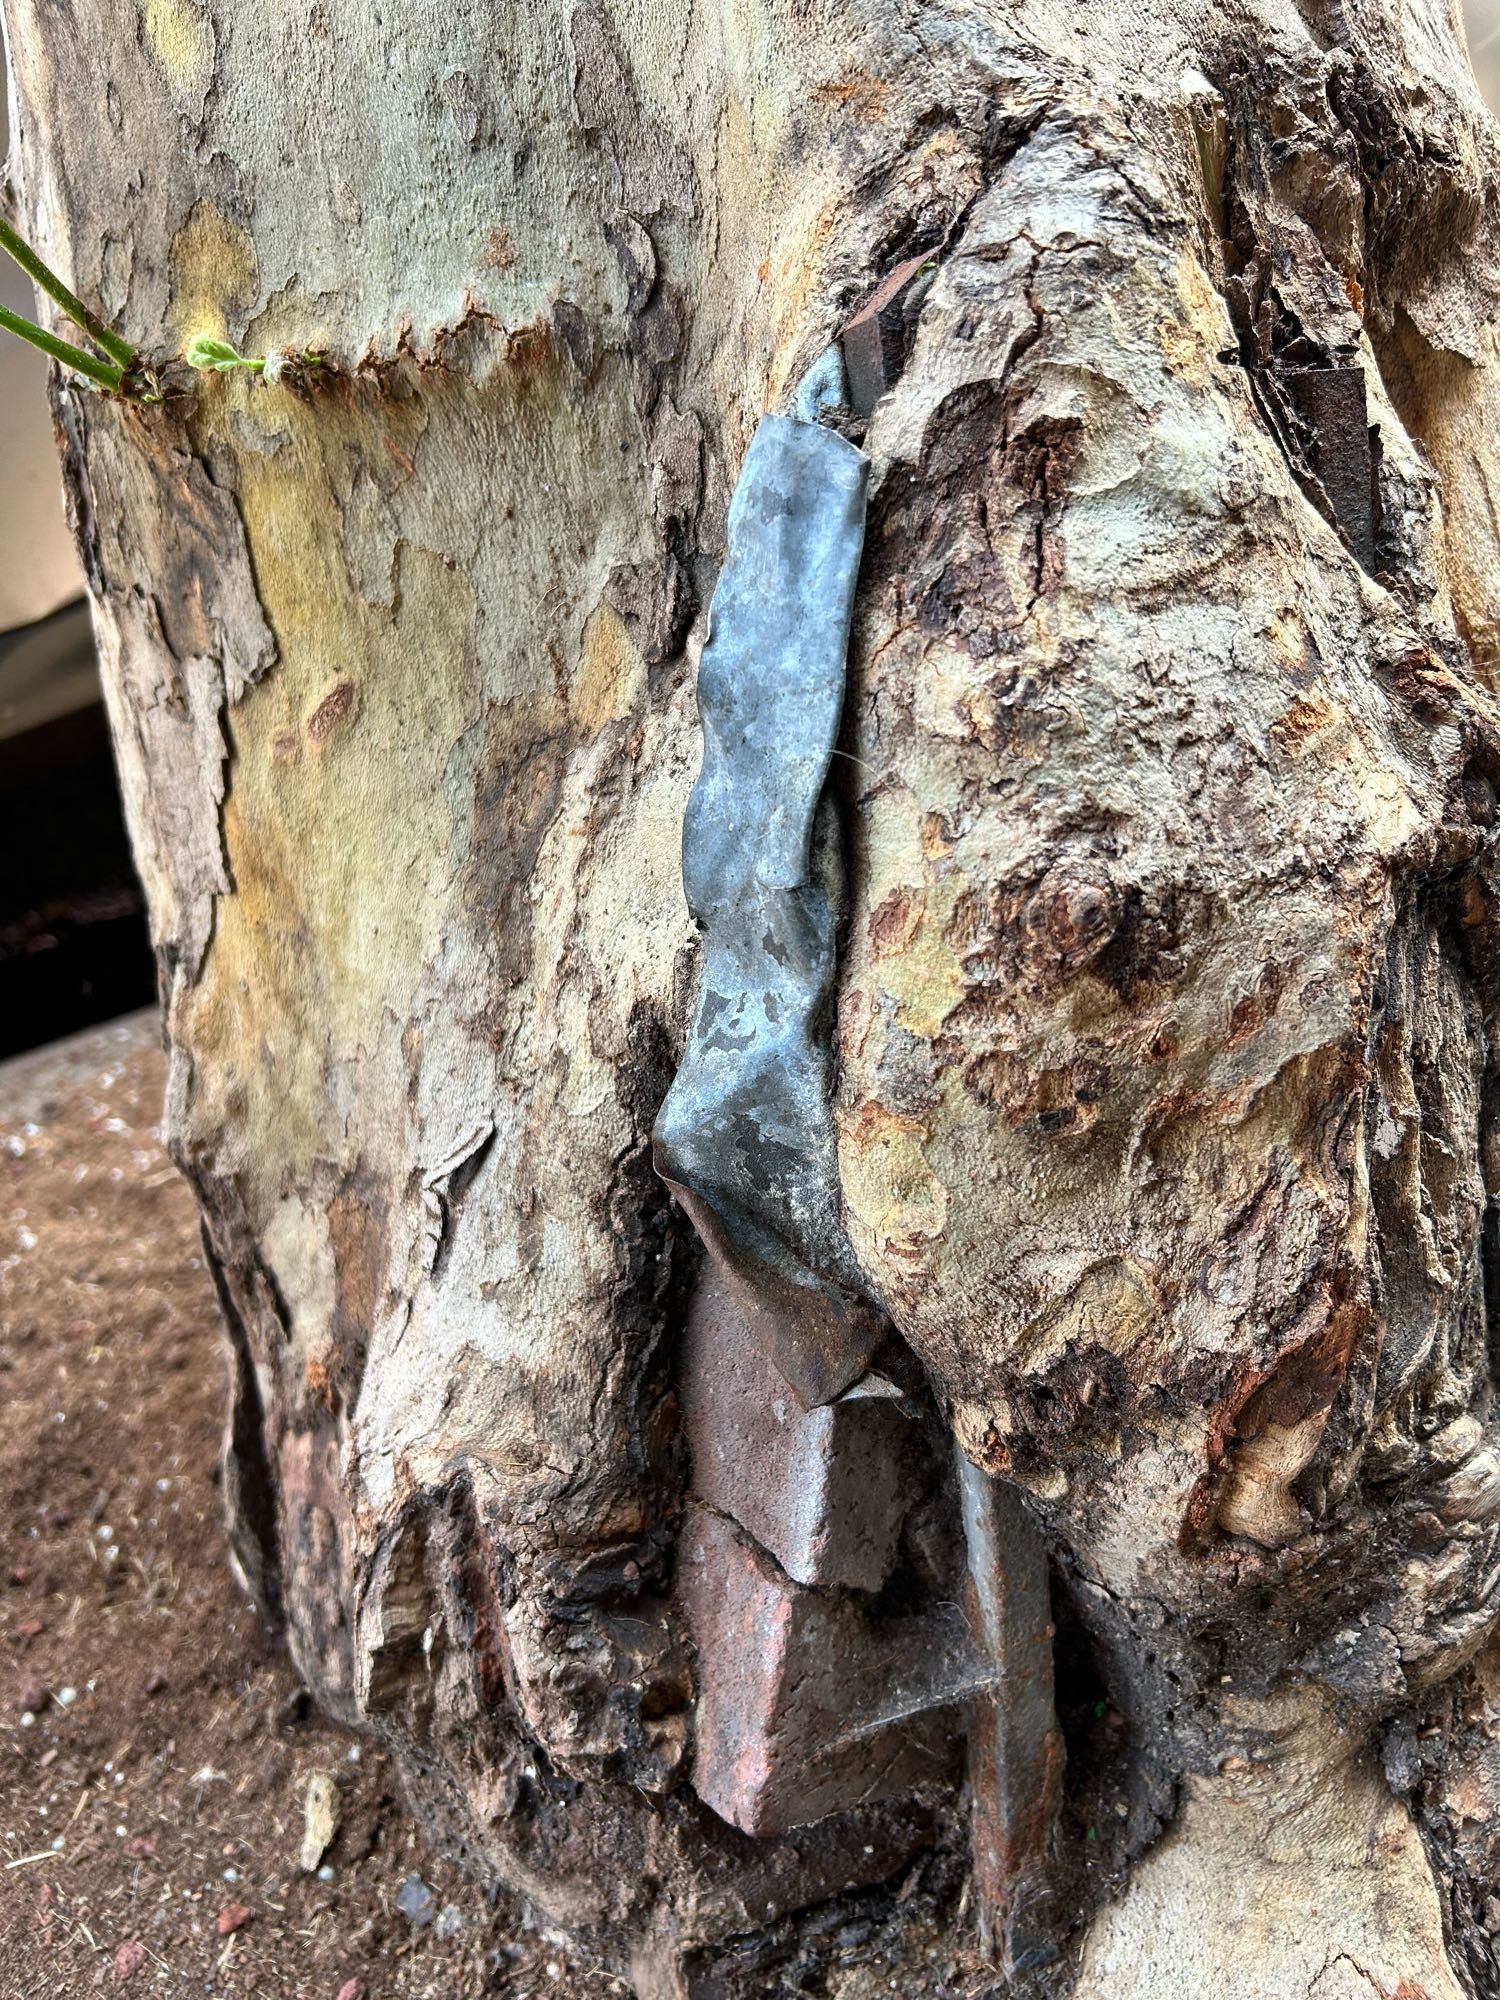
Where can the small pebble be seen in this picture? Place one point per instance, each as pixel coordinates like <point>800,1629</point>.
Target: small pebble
<point>322,1810</point>
<point>129,1959</point>
<point>233,1917</point>
<point>415,1901</point>
<point>450,1921</point>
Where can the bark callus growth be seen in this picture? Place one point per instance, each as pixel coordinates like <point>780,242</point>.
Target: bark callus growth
<point>1148,912</point>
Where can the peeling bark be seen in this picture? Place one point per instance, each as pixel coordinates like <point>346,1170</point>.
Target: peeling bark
<point>1167,983</point>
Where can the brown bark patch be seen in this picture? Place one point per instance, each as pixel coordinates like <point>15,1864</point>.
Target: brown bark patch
<point>336,708</point>
<point>358,1228</point>
<point>1252,1011</point>
<point>1061,1099</point>
<point>1308,716</point>
<point>864,97</point>
<point>894,922</point>
<point>1266,1433</point>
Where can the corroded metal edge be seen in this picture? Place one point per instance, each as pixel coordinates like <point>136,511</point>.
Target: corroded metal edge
<point>1015,1747</point>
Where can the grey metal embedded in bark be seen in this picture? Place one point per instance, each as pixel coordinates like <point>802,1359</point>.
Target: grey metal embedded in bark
<point>745,1137</point>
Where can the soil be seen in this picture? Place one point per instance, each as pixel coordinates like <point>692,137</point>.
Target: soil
<point>155,1747</point>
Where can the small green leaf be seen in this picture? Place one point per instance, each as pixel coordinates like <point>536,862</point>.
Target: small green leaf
<point>204,352</point>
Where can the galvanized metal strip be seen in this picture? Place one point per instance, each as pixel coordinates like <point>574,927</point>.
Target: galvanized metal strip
<point>745,1137</point>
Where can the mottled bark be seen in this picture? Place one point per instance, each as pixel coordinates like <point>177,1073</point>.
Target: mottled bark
<point>1166,1009</point>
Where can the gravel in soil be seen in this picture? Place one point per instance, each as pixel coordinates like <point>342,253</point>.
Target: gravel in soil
<point>156,1751</point>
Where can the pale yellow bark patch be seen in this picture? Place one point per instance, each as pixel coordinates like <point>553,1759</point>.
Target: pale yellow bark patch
<point>611,674</point>
<point>892,1196</point>
<point>215,275</point>
<point>1237,1899</point>
<point>182,40</point>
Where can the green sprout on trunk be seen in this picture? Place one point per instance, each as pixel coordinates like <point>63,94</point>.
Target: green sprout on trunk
<point>116,367</point>
<point>112,368</point>
<point>205,353</point>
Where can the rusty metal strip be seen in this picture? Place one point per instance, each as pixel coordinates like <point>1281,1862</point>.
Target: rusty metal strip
<point>745,1137</point>
<point>874,341</point>
<point>1015,1748</point>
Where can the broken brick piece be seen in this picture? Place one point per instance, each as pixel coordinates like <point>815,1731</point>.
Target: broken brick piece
<point>823,1489</point>
<point>807,1706</point>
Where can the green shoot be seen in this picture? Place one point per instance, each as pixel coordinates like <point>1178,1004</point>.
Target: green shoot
<point>106,373</point>
<point>204,352</point>
<point>119,351</point>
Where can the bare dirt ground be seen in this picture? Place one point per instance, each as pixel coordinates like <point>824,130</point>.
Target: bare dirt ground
<point>155,1749</point>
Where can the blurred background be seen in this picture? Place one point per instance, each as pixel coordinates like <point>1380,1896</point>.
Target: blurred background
<point>1482,21</point>
<point>73,943</point>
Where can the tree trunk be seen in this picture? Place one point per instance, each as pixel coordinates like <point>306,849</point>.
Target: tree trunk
<point>1150,1097</point>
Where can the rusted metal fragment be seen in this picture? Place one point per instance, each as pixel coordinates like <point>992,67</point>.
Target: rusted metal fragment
<point>1015,1747</point>
<point>1342,448</point>
<point>824,1489</point>
<point>745,1137</point>
<point>806,1706</point>
<point>875,341</point>
<point>1312,398</point>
